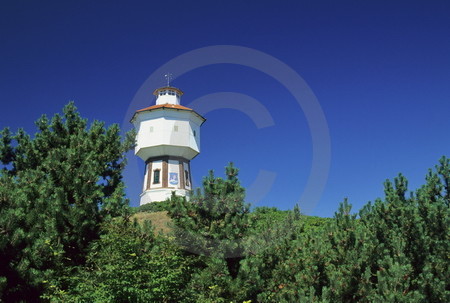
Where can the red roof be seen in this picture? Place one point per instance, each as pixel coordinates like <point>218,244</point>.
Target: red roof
<point>174,106</point>
<point>168,106</point>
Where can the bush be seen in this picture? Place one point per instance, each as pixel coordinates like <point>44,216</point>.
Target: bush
<point>154,207</point>
<point>128,264</point>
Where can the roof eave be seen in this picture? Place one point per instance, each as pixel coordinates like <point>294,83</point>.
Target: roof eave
<point>169,108</point>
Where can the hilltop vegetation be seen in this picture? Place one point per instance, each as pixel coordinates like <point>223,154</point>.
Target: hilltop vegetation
<point>67,234</point>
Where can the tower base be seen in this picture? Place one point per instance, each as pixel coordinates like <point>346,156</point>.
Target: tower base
<point>164,175</point>
<point>159,195</point>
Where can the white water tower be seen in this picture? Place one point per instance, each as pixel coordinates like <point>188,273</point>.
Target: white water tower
<point>168,138</point>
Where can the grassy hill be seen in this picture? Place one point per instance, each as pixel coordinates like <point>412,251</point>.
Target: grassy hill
<point>160,220</point>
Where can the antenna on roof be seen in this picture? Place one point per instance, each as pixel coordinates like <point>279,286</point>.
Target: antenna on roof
<point>169,77</point>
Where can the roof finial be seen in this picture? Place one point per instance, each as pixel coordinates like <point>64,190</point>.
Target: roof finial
<point>169,77</point>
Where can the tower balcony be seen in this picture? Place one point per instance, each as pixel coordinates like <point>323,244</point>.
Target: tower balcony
<point>148,152</point>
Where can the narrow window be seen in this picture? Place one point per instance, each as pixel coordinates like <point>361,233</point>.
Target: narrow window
<point>186,174</point>
<point>151,129</point>
<point>195,134</point>
<point>156,174</point>
<point>175,128</point>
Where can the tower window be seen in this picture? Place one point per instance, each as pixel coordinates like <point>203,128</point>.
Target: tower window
<point>195,134</point>
<point>186,174</point>
<point>156,175</point>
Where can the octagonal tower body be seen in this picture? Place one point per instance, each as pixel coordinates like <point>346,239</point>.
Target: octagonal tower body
<point>168,138</point>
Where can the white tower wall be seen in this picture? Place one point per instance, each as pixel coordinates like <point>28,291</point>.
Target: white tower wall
<point>164,132</point>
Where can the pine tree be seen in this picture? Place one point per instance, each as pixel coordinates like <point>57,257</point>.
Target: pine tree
<point>213,224</point>
<point>413,231</point>
<point>55,189</point>
<point>396,251</point>
<point>216,219</point>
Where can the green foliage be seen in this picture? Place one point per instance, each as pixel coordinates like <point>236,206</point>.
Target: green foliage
<point>129,264</point>
<point>55,189</point>
<point>213,224</point>
<point>61,239</point>
<point>397,251</point>
<point>262,218</point>
<point>154,207</point>
<point>215,219</point>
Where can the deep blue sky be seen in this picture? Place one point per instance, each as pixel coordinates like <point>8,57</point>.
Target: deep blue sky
<point>379,69</point>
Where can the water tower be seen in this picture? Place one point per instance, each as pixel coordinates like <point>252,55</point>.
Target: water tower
<point>168,138</point>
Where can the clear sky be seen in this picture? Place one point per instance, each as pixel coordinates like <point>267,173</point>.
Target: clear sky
<point>380,71</point>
